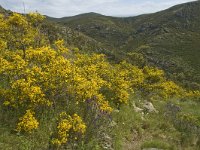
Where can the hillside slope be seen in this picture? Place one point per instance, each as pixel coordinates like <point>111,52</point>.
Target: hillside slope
<point>168,39</point>
<point>54,96</point>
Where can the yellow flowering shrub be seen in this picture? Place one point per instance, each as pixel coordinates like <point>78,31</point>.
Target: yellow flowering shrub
<point>170,89</point>
<point>68,128</point>
<point>28,122</point>
<point>37,76</point>
<point>19,32</point>
<point>124,79</point>
<point>25,92</point>
<point>78,125</point>
<point>193,94</point>
<point>3,45</point>
<point>35,17</point>
<point>4,65</point>
<point>103,103</point>
<point>18,20</point>
<point>153,75</point>
<point>60,47</point>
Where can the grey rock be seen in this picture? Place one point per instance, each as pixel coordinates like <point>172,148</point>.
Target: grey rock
<point>149,107</point>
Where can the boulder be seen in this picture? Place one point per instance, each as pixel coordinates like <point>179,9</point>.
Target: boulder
<point>148,106</point>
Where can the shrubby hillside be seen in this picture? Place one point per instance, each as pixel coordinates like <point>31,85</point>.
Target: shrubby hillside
<point>57,91</point>
<point>168,39</point>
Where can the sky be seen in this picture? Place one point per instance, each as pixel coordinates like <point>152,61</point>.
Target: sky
<point>62,8</point>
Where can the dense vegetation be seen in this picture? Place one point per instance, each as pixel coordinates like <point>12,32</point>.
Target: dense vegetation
<point>58,97</point>
<point>168,39</point>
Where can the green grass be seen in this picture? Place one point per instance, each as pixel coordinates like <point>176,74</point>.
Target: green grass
<point>154,131</point>
<point>157,144</point>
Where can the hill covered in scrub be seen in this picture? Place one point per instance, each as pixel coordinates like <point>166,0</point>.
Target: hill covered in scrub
<point>93,82</point>
<point>168,39</point>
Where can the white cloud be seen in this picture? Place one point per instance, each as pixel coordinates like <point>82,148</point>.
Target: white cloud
<point>60,8</point>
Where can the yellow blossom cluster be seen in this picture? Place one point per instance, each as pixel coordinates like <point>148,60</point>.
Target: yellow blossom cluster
<point>169,89</point>
<point>20,32</point>
<point>193,94</point>
<point>35,17</point>
<point>28,122</point>
<point>153,75</point>
<point>28,92</point>
<point>68,126</point>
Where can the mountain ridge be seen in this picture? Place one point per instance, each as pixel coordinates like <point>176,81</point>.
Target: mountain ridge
<point>128,16</point>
